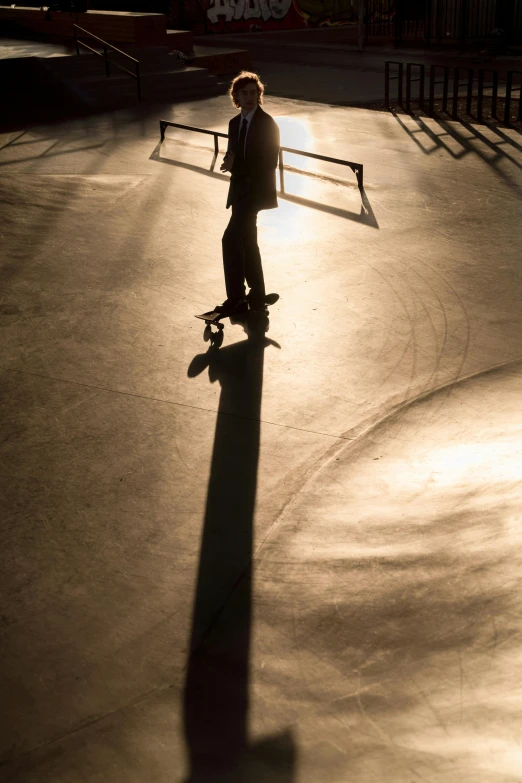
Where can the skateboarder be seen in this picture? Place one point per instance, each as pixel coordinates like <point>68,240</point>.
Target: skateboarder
<point>253,149</point>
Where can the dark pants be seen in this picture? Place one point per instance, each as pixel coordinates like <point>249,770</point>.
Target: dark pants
<point>241,256</point>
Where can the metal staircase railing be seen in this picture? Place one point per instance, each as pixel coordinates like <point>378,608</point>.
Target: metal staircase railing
<point>105,56</point>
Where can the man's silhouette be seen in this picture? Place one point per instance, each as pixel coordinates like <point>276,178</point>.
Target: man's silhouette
<point>252,155</point>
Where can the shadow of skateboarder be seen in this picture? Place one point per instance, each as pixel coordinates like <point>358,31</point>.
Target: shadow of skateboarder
<point>216,695</point>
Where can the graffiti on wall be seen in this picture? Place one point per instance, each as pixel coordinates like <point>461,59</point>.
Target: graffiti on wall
<point>248,9</point>
<point>319,13</point>
<point>235,15</point>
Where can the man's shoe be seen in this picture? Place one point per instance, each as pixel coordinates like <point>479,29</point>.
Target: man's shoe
<point>232,307</point>
<point>260,305</point>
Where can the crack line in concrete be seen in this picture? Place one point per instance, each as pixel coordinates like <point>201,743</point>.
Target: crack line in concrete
<point>170,402</point>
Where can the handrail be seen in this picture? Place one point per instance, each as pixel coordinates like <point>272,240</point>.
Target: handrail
<point>357,168</point>
<point>108,62</point>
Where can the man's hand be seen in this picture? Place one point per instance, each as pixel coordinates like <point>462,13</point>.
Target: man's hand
<point>228,162</point>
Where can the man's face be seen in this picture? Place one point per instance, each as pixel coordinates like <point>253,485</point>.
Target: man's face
<point>247,97</point>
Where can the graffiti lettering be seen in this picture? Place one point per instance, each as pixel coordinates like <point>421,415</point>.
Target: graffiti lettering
<point>279,8</point>
<point>248,9</point>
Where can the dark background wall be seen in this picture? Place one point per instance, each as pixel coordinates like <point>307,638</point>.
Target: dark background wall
<point>431,21</point>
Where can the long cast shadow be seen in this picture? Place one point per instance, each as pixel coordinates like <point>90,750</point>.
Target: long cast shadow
<point>450,130</point>
<point>365,215</point>
<point>216,696</point>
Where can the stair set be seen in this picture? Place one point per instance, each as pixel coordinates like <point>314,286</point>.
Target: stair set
<point>171,66</point>
<point>167,74</point>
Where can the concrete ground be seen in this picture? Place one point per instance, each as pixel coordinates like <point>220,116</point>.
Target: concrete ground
<point>293,558</point>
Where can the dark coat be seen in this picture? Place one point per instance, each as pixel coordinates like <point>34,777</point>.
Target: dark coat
<point>257,179</point>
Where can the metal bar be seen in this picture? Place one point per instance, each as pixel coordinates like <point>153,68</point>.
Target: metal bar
<point>121,68</point>
<point>360,25</point>
<point>463,21</point>
<point>281,171</point>
<point>408,88</point>
<point>432,90</point>
<point>387,84</point>
<point>216,144</point>
<point>445,89</point>
<point>399,92</point>
<point>494,95</point>
<point>518,89</point>
<point>469,92</point>
<point>114,49</point>
<point>359,175</point>
<point>480,94</point>
<point>320,157</point>
<point>138,80</point>
<point>507,108</point>
<point>192,128</point>
<point>356,167</point>
<point>421,86</point>
<point>456,77</point>
<point>107,69</point>
<point>115,65</point>
<point>76,39</point>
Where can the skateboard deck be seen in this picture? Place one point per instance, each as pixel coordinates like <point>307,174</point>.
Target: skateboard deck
<point>214,318</point>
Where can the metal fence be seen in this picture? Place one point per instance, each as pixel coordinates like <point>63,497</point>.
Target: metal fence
<point>443,21</point>
<point>475,89</point>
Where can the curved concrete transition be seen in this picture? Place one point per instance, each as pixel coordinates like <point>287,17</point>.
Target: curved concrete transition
<point>391,583</point>
<point>294,558</point>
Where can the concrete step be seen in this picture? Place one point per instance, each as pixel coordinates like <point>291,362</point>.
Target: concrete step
<point>176,76</point>
<point>163,86</point>
<point>220,61</point>
<point>151,59</point>
<point>180,40</point>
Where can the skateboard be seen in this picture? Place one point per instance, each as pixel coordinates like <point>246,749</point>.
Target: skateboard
<point>213,318</point>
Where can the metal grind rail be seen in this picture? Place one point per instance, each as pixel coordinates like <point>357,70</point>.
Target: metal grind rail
<point>357,168</point>
<point>454,74</point>
<point>105,56</point>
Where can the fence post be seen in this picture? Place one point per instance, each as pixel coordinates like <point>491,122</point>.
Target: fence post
<point>494,95</point>
<point>480,94</point>
<point>400,80</point>
<point>427,23</point>
<point>421,86</point>
<point>216,144</point>
<point>463,21</point>
<point>360,25</point>
<point>469,92</point>
<point>432,90</point>
<point>408,88</point>
<point>456,80</point>
<point>138,80</point>
<point>107,70</point>
<point>507,108</point>
<point>445,89</point>
<point>76,39</point>
<point>387,84</point>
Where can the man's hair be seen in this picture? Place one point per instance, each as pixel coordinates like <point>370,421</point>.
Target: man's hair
<point>242,79</point>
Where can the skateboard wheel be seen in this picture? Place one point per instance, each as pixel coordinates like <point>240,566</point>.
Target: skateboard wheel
<point>217,339</point>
